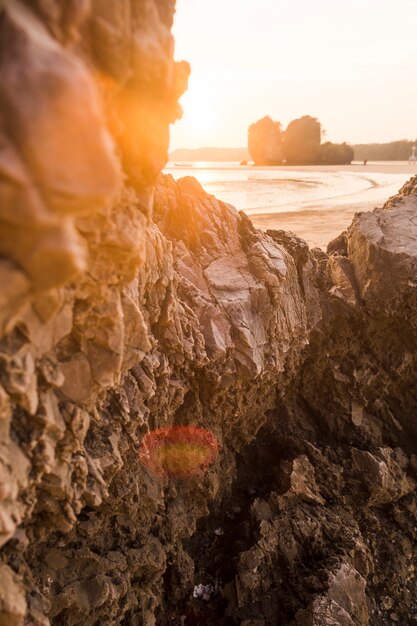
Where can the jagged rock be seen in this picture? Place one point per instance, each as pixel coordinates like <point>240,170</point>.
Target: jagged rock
<point>384,477</point>
<point>12,599</point>
<point>47,179</point>
<point>383,252</point>
<point>15,289</point>
<point>115,322</point>
<point>301,482</point>
<point>248,285</point>
<point>343,280</point>
<point>324,612</point>
<point>343,605</point>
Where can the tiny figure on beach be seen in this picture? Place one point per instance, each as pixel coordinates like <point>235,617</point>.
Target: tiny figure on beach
<point>365,161</point>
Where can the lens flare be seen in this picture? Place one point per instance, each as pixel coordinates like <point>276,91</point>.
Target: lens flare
<point>179,451</point>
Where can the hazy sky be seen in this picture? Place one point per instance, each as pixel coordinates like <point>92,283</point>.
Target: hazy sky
<point>352,64</point>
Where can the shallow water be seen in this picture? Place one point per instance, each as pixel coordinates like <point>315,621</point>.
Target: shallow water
<point>272,190</point>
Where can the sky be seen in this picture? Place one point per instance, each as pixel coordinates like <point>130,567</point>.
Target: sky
<point>352,64</point>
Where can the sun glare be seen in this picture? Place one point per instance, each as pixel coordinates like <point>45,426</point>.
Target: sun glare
<point>199,113</point>
<point>347,62</point>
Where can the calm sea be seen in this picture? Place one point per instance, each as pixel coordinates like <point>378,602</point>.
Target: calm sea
<point>266,191</point>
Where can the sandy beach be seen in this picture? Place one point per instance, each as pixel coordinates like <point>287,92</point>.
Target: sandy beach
<point>315,202</point>
<point>318,225</point>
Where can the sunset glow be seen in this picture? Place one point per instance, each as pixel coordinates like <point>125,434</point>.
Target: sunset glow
<point>346,63</point>
<point>199,113</point>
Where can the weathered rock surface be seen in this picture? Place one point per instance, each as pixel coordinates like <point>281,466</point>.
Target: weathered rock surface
<point>207,332</point>
<point>116,321</point>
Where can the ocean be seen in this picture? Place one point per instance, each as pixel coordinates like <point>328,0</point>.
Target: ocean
<point>266,191</point>
<point>315,202</point>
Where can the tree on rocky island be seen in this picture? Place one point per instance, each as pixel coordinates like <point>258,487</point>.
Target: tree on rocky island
<point>336,153</point>
<point>300,144</point>
<point>265,142</point>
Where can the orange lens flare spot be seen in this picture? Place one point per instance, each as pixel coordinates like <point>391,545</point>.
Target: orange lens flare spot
<point>179,451</point>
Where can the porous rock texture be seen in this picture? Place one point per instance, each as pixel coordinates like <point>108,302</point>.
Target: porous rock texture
<point>129,303</point>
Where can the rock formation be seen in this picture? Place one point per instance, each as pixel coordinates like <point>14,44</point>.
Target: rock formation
<point>265,142</point>
<point>130,303</point>
<point>299,144</point>
<point>301,141</point>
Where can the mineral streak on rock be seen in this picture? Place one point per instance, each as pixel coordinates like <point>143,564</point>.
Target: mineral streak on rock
<point>116,323</point>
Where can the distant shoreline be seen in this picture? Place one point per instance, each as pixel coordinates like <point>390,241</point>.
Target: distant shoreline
<point>371,166</point>
<point>370,152</point>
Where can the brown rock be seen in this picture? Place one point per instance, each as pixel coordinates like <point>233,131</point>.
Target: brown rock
<point>47,178</point>
<point>115,323</point>
<point>12,599</point>
<point>302,482</point>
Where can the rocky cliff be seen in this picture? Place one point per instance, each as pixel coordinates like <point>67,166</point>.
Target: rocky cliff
<point>129,303</point>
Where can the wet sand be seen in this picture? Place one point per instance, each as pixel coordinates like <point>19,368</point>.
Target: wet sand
<point>318,225</point>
